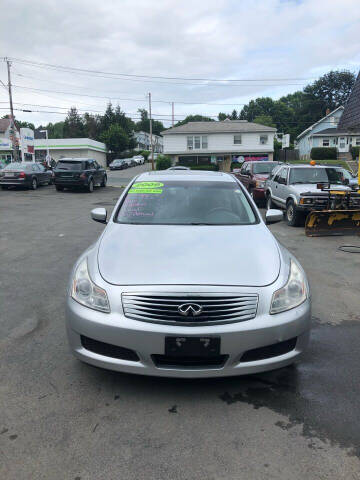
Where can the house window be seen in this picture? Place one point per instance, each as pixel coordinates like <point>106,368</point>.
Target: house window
<point>196,142</point>
<point>325,142</point>
<point>190,143</point>
<point>342,142</point>
<point>263,139</point>
<point>237,139</point>
<point>357,140</point>
<point>204,142</point>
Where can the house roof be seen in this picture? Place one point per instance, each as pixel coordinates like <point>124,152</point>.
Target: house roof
<point>319,121</point>
<point>4,123</point>
<point>350,119</point>
<point>226,126</point>
<point>335,132</point>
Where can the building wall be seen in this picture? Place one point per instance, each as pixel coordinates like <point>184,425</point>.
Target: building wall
<point>100,157</point>
<point>220,143</point>
<point>307,142</point>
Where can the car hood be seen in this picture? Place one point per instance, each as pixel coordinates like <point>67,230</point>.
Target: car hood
<point>311,187</point>
<point>188,255</point>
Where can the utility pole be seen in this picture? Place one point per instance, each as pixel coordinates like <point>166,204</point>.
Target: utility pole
<point>12,119</point>
<point>151,137</point>
<point>172,114</point>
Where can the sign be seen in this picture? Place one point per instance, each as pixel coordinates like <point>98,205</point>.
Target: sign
<point>213,158</point>
<point>27,142</point>
<point>285,141</point>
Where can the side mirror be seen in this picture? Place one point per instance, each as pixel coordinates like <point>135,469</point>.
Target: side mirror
<point>346,181</point>
<point>273,216</point>
<point>99,215</point>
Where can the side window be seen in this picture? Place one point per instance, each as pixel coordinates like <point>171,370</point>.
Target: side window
<point>283,176</point>
<point>96,164</point>
<point>277,175</point>
<point>91,165</point>
<point>35,168</point>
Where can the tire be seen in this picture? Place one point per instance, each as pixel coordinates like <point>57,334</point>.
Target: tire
<point>90,187</point>
<point>34,184</point>
<point>269,203</point>
<point>104,180</point>
<point>294,218</point>
<point>59,188</point>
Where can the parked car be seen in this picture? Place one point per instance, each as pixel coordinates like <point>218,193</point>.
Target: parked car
<point>129,162</point>
<point>231,301</point>
<point>253,175</point>
<point>118,164</point>
<point>83,173</point>
<point>24,174</point>
<point>349,178</point>
<point>139,159</point>
<point>2,166</point>
<point>287,184</point>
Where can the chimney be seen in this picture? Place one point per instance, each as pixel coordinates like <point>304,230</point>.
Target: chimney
<point>328,111</point>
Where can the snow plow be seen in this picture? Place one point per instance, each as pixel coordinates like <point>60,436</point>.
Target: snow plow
<point>333,212</point>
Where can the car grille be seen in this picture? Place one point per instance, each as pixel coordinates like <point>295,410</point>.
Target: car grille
<point>216,308</point>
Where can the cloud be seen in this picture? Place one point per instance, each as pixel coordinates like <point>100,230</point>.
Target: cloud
<point>198,39</point>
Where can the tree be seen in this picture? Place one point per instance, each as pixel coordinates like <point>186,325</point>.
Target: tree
<point>332,89</point>
<point>264,120</point>
<point>143,125</point>
<point>73,125</point>
<point>108,118</point>
<point>20,124</point>
<point>92,125</point>
<point>194,118</point>
<point>115,139</point>
<point>125,122</point>
<point>234,115</point>
<point>222,116</point>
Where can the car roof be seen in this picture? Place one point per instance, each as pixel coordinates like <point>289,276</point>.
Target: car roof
<point>186,175</point>
<point>311,166</point>
<point>74,159</point>
<point>263,161</point>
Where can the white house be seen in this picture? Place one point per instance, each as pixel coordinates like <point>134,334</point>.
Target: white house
<point>327,132</point>
<point>211,142</point>
<point>143,141</point>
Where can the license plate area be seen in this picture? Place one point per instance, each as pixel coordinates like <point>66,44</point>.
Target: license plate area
<point>182,346</point>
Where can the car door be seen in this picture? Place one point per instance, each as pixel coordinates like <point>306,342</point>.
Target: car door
<point>44,176</point>
<point>245,174</point>
<point>281,188</point>
<point>36,172</point>
<point>276,187</point>
<point>92,172</point>
<point>99,172</point>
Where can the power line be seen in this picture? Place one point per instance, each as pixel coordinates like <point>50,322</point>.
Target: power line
<point>159,77</point>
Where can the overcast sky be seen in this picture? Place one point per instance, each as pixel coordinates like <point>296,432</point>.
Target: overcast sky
<point>262,40</point>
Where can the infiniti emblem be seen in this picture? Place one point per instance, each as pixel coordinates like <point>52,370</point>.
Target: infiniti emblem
<point>190,309</point>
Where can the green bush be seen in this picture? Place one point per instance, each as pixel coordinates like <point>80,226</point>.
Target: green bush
<point>163,162</point>
<point>355,152</point>
<point>323,153</point>
<point>145,154</point>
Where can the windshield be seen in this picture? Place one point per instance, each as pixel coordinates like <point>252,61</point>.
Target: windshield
<point>315,175</point>
<point>68,165</point>
<point>264,167</point>
<point>186,203</point>
<point>345,173</point>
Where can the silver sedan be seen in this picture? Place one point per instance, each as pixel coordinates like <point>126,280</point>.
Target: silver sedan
<point>186,280</point>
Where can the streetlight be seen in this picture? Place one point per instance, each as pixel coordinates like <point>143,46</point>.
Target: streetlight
<point>48,158</point>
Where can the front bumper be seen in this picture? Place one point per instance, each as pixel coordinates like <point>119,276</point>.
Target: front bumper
<point>148,339</point>
<point>259,194</point>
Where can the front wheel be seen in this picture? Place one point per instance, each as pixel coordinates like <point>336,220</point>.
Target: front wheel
<point>104,181</point>
<point>90,187</point>
<point>294,218</point>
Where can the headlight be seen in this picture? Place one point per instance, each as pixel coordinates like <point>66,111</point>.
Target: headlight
<point>292,294</point>
<point>260,183</point>
<point>86,292</point>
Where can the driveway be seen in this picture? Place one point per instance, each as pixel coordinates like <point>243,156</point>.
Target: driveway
<point>120,178</point>
<point>61,419</point>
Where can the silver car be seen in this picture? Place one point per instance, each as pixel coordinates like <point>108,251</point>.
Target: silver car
<point>186,280</point>
<point>288,185</point>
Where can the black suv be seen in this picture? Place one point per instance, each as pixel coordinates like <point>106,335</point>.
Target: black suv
<point>79,173</point>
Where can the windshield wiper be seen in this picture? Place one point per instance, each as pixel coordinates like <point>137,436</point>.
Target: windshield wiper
<point>198,223</point>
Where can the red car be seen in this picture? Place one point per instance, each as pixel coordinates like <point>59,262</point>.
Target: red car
<point>253,175</point>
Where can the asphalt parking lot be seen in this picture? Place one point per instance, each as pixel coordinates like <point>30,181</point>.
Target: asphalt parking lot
<point>61,419</point>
